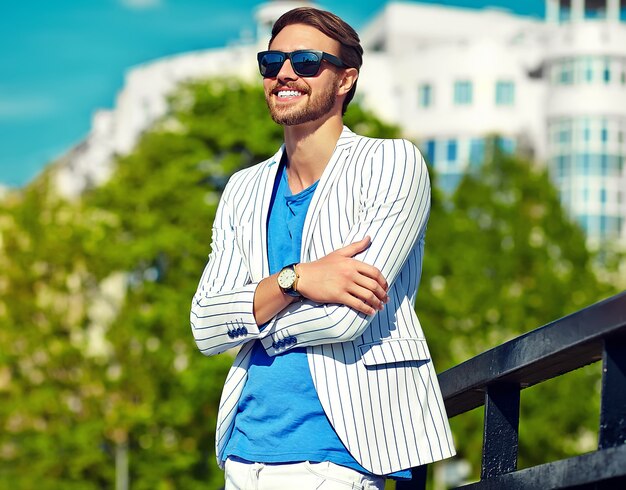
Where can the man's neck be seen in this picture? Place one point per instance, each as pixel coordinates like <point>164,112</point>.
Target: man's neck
<point>309,148</point>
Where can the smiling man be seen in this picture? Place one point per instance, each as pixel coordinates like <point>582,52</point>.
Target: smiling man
<point>315,262</point>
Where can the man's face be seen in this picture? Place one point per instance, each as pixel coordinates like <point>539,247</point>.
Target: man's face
<point>292,99</point>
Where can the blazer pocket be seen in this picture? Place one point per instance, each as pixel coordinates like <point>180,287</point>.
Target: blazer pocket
<point>394,350</point>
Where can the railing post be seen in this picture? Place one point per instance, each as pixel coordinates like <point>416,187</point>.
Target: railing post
<point>613,402</point>
<point>417,482</point>
<point>500,440</point>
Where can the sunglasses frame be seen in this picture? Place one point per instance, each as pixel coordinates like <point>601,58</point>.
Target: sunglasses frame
<point>323,56</point>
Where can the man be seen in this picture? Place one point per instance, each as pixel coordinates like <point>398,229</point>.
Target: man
<point>315,263</point>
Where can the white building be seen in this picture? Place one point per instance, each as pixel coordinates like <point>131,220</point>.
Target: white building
<point>554,89</point>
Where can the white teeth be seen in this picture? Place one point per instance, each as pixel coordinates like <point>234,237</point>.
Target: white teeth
<point>289,93</point>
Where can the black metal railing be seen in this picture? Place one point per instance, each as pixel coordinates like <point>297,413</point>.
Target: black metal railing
<point>496,377</point>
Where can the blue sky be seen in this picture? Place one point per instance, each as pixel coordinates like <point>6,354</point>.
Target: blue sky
<point>62,59</point>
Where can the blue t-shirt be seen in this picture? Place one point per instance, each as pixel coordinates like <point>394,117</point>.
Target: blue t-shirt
<point>279,417</point>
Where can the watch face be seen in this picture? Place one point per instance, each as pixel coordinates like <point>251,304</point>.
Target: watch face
<point>286,278</point>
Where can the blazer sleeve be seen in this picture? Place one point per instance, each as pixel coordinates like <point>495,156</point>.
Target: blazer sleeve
<point>221,309</point>
<point>395,205</point>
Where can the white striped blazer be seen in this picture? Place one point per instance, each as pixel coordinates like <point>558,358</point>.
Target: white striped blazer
<point>373,374</point>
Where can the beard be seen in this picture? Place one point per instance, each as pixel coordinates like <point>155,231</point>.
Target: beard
<point>316,107</point>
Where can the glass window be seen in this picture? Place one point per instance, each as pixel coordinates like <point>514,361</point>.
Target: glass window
<point>586,130</point>
<point>477,151</point>
<point>449,182</point>
<point>588,70</point>
<point>603,227</point>
<point>451,150</point>
<point>430,151</point>
<point>607,70</point>
<point>463,92</point>
<point>563,165</point>
<point>505,92</point>
<point>604,164</point>
<point>507,145</point>
<point>425,95</point>
<point>566,76</point>
<point>603,196</point>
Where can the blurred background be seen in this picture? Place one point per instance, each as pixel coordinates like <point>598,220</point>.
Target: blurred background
<point>120,123</point>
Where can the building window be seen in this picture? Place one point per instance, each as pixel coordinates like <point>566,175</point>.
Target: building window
<point>588,70</point>
<point>451,151</point>
<point>603,196</point>
<point>425,95</point>
<point>449,182</point>
<point>607,70</point>
<point>505,92</point>
<point>563,163</point>
<point>586,130</point>
<point>463,92</point>
<point>477,152</point>
<point>566,75</point>
<point>507,145</point>
<point>430,152</point>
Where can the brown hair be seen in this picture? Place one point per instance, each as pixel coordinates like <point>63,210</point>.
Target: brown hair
<point>350,51</point>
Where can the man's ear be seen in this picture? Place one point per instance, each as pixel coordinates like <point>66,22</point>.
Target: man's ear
<point>348,80</point>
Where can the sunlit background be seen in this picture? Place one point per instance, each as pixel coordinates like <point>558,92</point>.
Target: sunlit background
<point>120,123</point>
<point>61,61</point>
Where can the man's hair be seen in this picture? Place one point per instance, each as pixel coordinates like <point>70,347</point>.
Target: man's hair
<point>350,51</point>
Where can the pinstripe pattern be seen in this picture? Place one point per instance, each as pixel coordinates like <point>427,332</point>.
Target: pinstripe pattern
<point>373,374</point>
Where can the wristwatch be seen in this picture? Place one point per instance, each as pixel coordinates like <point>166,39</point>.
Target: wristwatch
<point>288,280</point>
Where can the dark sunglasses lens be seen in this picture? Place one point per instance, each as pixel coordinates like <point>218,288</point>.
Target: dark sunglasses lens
<point>270,64</point>
<point>306,64</point>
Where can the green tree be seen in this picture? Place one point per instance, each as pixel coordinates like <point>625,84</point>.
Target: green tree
<point>97,359</point>
<point>502,258</point>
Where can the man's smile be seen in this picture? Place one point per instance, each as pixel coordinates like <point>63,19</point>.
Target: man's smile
<point>283,94</point>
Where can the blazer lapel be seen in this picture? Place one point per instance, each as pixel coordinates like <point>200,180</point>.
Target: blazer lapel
<point>343,149</point>
<point>262,194</point>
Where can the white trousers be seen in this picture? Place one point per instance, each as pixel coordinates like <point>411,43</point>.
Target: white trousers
<point>303,476</point>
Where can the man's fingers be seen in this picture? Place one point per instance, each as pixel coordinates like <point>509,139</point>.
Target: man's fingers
<point>354,248</point>
<point>367,296</point>
<point>358,305</point>
<point>372,286</point>
<point>373,273</point>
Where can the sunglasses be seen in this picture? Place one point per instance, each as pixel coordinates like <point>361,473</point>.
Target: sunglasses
<point>305,62</point>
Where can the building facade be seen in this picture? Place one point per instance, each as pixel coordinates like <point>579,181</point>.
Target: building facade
<point>553,89</point>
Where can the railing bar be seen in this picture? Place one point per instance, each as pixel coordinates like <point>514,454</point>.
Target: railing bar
<point>613,402</point>
<point>501,427</point>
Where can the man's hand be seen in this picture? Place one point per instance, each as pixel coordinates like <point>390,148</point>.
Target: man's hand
<point>339,278</point>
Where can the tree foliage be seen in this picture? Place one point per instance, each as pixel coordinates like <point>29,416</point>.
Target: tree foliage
<point>97,357</point>
<point>502,258</point>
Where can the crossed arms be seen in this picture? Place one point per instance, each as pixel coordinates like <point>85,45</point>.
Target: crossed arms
<point>342,290</point>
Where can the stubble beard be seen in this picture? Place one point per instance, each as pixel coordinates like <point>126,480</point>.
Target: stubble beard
<point>315,108</point>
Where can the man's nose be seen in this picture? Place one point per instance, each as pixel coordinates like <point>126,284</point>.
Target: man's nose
<point>286,71</point>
